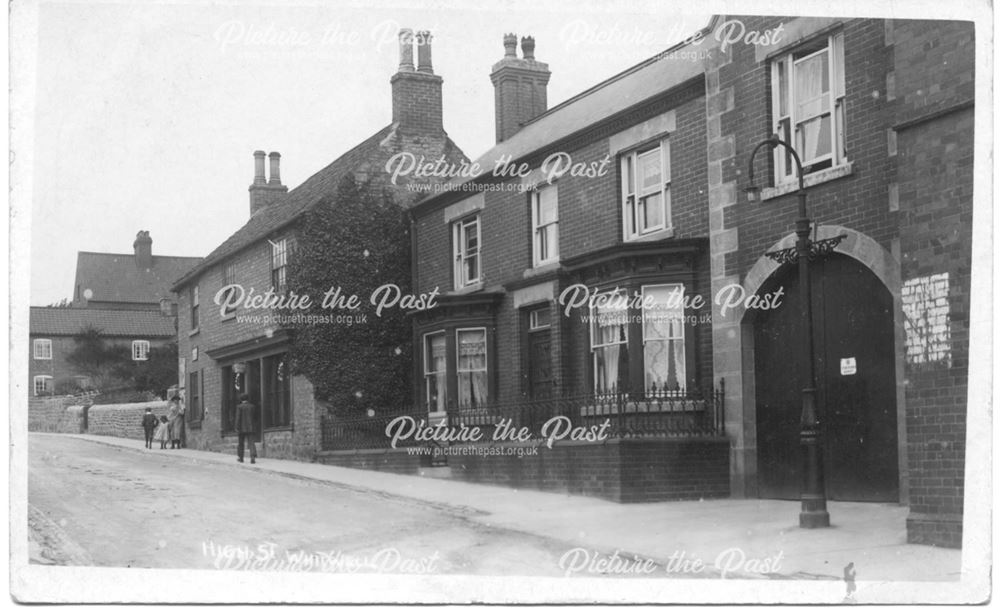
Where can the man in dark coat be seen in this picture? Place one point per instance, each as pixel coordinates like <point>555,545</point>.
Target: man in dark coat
<point>148,426</point>
<point>244,427</point>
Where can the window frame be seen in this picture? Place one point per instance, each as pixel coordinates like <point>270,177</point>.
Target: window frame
<point>140,350</point>
<point>195,408</point>
<point>540,232</point>
<point>228,278</point>
<point>46,344</point>
<point>46,391</point>
<point>682,338</point>
<point>195,307</point>
<point>634,196</point>
<point>486,364</point>
<point>279,251</point>
<point>785,118</point>
<point>594,311</point>
<point>442,383</point>
<point>460,255</point>
<point>534,324</point>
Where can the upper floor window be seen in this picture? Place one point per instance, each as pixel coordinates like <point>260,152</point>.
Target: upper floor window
<point>228,279</point>
<point>545,225</point>
<point>140,350</point>
<point>42,349</point>
<point>42,385</point>
<point>194,307</point>
<point>466,247</point>
<point>646,190</point>
<point>279,265</point>
<point>807,105</point>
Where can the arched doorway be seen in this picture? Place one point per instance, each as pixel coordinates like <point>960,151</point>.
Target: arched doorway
<point>855,378</point>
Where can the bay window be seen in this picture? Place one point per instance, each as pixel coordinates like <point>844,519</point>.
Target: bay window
<point>663,337</point>
<point>646,190</point>
<point>609,346</point>
<point>435,372</point>
<point>471,369</point>
<point>807,106</point>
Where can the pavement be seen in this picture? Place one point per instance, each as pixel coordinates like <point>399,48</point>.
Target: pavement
<point>728,538</point>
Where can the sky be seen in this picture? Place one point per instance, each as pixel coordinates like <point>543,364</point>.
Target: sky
<point>146,116</point>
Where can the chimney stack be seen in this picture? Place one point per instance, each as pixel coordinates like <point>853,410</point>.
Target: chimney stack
<point>416,94</point>
<point>519,86</point>
<point>263,192</point>
<point>143,247</point>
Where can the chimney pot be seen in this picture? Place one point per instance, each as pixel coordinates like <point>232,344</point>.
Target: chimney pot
<point>528,47</point>
<point>258,167</point>
<point>424,52</point>
<point>275,169</point>
<point>510,45</point>
<point>405,50</point>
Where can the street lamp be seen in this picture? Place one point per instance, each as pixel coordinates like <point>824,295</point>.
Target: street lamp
<point>814,513</point>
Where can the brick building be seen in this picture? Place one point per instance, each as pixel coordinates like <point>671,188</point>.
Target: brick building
<point>125,296</point>
<point>222,356</point>
<point>53,332</point>
<point>510,254</point>
<point>881,113</point>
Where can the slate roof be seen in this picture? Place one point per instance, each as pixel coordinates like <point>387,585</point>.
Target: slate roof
<point>116,277</point>
<point>298,200</point>
<point>641,82</point>
<point>56,321</point>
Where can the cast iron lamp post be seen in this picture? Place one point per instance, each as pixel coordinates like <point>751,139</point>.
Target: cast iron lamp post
<point>814,514</point>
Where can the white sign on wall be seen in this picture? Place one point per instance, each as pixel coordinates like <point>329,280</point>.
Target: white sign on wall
<point>848,366</point>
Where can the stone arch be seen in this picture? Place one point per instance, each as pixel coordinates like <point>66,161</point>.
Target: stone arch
<point>887,268</point>
<point>857,245</point>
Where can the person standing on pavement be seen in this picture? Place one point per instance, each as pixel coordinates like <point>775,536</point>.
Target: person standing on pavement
<point>148,426</point>
<point>176,418</point>
<point>244,427</point>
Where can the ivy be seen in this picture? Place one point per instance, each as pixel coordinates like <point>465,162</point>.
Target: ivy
<point>356,240</point>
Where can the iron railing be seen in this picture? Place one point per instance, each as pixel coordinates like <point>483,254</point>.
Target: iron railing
<point>649,414</point>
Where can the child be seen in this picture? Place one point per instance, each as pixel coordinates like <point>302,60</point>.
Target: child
<point>162,433</point>
<point>149,422</point>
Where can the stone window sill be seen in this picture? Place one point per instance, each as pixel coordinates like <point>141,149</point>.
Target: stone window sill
<point>658,235</point>
<point>813,179</point>
<point>194,332</point>
<point>468,289</point>
<point>541,269</point>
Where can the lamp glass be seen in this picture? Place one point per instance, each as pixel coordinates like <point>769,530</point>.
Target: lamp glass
<point>753,193</point>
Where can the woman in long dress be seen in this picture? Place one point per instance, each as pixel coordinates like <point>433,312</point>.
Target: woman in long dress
<point>176,418</point>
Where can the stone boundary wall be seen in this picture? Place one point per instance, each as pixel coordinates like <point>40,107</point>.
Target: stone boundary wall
<point>55,414</point>
<point>124,420</point>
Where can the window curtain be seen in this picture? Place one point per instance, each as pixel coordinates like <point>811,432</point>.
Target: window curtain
<point>472,384</point>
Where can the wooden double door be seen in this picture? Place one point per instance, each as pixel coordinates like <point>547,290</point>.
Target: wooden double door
<point>854,343</point>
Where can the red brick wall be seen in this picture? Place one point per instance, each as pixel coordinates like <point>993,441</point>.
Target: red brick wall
<point>590,218</point>
<point>858,201</point>
<point>934,74</point>
<point>622,471</point>
<point>383,460</point>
